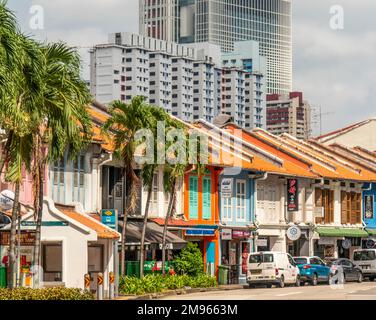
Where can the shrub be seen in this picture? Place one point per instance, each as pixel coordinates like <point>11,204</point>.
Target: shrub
<point>157,283</point>
<point>189,261</point>
<point>56,293</point>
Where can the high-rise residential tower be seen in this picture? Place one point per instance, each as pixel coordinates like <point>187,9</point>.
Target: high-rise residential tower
<point>225,22</point>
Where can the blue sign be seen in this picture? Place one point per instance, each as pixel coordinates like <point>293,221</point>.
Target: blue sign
<point>200,232</point>
<point>109,218</point>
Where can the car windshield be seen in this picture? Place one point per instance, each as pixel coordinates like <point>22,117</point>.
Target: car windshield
<point>364,255</point>
<point>300,260</point>
<point>259,258</point>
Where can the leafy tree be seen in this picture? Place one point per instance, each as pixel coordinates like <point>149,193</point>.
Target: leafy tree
<point>190,261</point>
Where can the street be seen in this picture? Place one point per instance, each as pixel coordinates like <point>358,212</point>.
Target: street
<point>350,291</point>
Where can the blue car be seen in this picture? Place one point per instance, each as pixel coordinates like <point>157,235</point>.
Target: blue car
<point>313,270</point>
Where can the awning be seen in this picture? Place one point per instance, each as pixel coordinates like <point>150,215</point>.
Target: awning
<point>154,234</point>
<point>371,232</point>
<point>341,232</point>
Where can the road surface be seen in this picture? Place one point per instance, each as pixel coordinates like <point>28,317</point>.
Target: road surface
<point>349,291</point>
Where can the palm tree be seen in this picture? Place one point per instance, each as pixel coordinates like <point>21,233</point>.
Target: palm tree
<point>124,122</point>
<point>64,122</point>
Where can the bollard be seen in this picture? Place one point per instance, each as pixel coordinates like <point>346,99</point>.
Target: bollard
<point>87,281</point>
<point>100,286</point>
<point>111,282</point>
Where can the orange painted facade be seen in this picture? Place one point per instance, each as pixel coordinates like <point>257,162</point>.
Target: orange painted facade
<point>200,222</point>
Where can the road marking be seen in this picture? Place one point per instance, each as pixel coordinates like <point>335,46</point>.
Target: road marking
<point>287,294</point>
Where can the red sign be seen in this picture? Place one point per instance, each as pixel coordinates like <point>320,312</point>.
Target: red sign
<point>292,195</point>
<point>241,234</point>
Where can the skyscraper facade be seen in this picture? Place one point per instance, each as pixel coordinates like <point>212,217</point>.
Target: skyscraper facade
<point>225,22</point>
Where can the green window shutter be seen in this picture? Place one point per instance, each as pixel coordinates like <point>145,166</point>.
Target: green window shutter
<point>206,198</point>
<point>193,197</point>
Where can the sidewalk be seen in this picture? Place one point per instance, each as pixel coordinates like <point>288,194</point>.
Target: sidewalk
<point>151,296</point>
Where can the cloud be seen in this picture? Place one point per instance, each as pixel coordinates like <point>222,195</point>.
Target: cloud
<point>334,69</point>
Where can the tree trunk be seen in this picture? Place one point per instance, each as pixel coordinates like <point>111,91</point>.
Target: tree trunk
<point>142,245</point>
<point>123,234</point>
<point>39,214</point>
<point>13,231</point>
<point>168,215</point>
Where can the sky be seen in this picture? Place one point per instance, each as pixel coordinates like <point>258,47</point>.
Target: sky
<point>334,68</point>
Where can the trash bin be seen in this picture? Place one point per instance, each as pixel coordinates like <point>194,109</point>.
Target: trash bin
<point>133,268</point>
<point>222,275</point>
<point>3,277</point>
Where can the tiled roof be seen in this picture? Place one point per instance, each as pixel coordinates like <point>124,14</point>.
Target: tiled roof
<point>172,222</point>
<point>339,132</point>
<point>102,231</point>
<point>292,164</point>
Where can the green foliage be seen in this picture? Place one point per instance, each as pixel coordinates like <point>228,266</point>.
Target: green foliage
<point>158,283</point>
<point>190,261</point>
<point>56,293</point>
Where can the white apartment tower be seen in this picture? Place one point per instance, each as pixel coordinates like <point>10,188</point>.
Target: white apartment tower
<point>225,22</point>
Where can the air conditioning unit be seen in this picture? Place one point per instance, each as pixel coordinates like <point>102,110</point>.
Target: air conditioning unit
<point>318,212</point>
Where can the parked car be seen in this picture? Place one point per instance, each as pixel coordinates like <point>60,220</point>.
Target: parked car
<point>312,270</point>
<point>365,260</point>
<point>272,268</point>
<point>343,270</point>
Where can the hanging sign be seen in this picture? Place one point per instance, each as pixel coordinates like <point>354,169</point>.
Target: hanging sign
<point>369,206</point>
<point>109,218</point>
<point>293,233</point>
<point>226,234</point>
<point>226,188</point>
<point>292,195</point>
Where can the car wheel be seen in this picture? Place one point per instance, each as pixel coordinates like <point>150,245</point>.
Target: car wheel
<point>251,286</point>
<point>297,283</point>
<point>371,279</point>
<point>281,283</point>
<point>330,279</point>
<point>314,280</point>
<point>269,286</point>
<point>360,277</point>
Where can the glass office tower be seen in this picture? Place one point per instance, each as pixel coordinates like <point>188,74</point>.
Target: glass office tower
<point>225,22</point>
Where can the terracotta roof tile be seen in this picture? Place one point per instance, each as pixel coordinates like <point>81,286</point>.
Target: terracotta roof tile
<point>102,231</point>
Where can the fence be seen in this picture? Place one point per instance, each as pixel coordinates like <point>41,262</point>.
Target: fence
<point>132,268</point>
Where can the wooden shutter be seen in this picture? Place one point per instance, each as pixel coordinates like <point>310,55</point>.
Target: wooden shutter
<point>206,198</point>
<point>343,207</point>
<point>318,197</point>
<point>353,218</point>
<point>193,197</point>
<point>318,203</point>
<point>331,205</point>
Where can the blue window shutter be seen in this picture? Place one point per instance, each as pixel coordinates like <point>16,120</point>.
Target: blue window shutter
<point>206,198</point>
<point>193,197</point>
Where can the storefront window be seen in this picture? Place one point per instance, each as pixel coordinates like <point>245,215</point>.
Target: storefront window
<point>52,262</point>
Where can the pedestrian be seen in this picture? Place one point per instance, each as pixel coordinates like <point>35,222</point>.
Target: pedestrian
<point>5,260</point>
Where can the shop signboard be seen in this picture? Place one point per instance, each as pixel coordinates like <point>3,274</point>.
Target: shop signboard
<point>263,242</point>
<point>200,232</point>
<point>327,241</point>
<point>27,238</point>
<point>292,195</point>
<point>369,206</point>
<point>226,234</point>
<point>346,244</point>
<point>370,243</point>
<point>241,234</point>
<point>109,218</point>
<point>293,233</point>
<point>226,188</point>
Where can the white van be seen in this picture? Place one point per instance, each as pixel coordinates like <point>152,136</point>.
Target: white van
<point>270,267</point>
<point>365,260</point>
